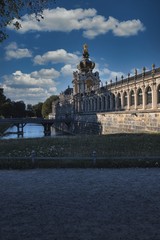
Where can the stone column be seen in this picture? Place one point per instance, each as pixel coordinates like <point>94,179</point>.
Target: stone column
<point>128,102</point>
<point>122,100</point>
<point>154,96</point>
<point>135,98</point>
<point>144,97</point>
<point>116,102</point>
<point>78,105</point>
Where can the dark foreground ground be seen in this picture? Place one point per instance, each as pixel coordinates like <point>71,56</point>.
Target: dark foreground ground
<point>80,204</point>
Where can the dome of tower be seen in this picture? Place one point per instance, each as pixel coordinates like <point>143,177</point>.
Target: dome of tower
<point>86,64</point>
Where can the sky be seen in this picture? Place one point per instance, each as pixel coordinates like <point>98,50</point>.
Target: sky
<point>38,60</point>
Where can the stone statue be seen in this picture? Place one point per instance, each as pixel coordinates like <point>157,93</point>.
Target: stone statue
<point>85,51</point>
<point>85,48</point>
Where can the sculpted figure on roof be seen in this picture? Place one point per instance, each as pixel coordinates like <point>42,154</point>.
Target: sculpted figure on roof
<point>85,51</point>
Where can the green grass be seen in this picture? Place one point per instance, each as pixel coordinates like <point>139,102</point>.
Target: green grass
<point>106,146</point>
<point>83,146</point>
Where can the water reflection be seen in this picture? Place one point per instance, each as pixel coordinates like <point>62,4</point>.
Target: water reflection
<point>31,130</point>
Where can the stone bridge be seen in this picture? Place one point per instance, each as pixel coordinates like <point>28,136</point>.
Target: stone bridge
<point>21,122</point>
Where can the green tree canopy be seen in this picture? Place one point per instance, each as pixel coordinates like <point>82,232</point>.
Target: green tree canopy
<point>7,109</point>
<point>2,97</point>
<point>5,104</point>
<point>47,105</point>
<point>15,9</point>
<point>38,109</point>
<point>19,109</point>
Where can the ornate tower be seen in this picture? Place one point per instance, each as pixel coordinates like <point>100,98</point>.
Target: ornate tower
<point>84,80</point>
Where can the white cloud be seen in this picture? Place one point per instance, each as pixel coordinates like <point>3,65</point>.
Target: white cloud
<point>106,74</point>
<point>31,88</point>
<point>87,20</point>
<point>128,28</point>
<point>45,74</point>
<point>28,95</point>
<point>58,56</point>
<point>67,70</point>
<point>14,52</point>
<point>122,29</point>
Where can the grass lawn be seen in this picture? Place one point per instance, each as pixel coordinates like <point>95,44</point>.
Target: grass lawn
<point>82,146</point>
<point>106,146</point>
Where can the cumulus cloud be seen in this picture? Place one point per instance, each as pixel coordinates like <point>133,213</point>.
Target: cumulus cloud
<point>31,87</point>
<point>67,70</point>
<point>87,20</point>
<point>106,74</point>
<point>58,56</point>
<point>128,28</point>
<point>28,95</point>
<point>12,51</point>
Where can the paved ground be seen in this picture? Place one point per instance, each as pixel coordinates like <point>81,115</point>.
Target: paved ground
<point>80,204</point>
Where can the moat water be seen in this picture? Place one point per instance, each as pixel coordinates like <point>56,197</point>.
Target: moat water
<point>31,130</point>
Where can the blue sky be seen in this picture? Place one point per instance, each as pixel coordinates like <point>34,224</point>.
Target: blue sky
<point>38,60</point>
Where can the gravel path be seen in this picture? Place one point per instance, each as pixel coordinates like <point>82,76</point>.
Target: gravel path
<point>80,204</point>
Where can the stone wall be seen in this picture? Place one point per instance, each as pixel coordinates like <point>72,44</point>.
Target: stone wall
<point>113,122</point>
<point>129,122</point>
<point>80,124</point>
<point>86,124</point>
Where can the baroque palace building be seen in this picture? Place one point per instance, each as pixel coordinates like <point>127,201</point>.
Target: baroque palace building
<point>89,101</point>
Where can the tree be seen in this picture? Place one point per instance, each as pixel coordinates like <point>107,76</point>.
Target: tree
<point>37,109</point>
<point>15,9</point>
<point>47,105</point>
<point>7,109</point>
<point>5,105</point>
<point>29,111</point>
<point>19,109</point>
<point>2,97</point>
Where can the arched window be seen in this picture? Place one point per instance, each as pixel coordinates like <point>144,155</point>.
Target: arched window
<point>139,97</point>
<point>84,105</point>
<point>100,103</point>
<point>87,105</point>
<point>158,94</point>
<point>132,98</point>
<point>104,103</point>
<point>148,95</point>
<point>108,102</point>
<point>113,101</point>
<point>119,100</point>
<point>92,104</point>
<point>125,99</point>
<point>95,106</point>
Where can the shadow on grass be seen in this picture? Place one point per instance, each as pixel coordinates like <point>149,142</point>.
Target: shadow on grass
<point>87,163</point>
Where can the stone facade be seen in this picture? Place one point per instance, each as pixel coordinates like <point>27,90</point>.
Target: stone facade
<point>139,92</point>
<point>130,104</point>
<point>127,122</point>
